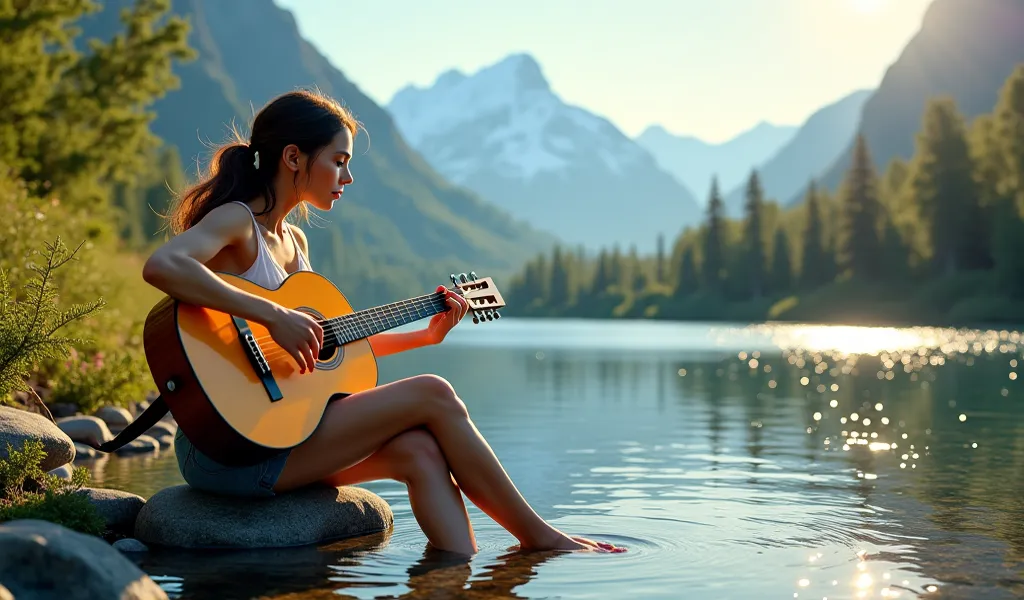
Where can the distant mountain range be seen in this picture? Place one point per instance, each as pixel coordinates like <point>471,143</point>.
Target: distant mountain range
<point>965,49</point>
<point>503,133</point>
<point>816,145</point>
<point>694,162</point>
<point>402,227</point>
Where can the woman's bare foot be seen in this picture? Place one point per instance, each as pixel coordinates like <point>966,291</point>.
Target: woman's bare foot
<point>560,541</point>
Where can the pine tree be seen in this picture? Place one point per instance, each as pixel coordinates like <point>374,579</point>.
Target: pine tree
<point>893,252</point>
<point>602,275</point>
<point>782,266</point>
<point>1003,150</point>
<point>714,241</point>
<point>753,262</point>
<point>688,279</point>
<point>813,269</point>
<point>858,243</point>
<point>79,121</point>
<point>1008,134</point>
<point>659,260</point>
<point>558,282</point>
<point>942,186</point>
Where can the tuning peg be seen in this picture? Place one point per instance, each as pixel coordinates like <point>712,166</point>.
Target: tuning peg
<point>472,275</point>
<point>497,315</point>
<point>462,276</point>
<point>490,317</point>
<point>476,319</point>
<point>455,280</point>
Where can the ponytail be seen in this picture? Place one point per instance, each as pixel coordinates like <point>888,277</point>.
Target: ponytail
<point>307,119</point>
<point>232,175</point>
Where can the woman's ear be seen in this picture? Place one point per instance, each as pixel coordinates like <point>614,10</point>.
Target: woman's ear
<point>292,157</point>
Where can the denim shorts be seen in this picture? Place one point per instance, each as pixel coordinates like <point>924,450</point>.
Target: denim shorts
<point>208,475</point>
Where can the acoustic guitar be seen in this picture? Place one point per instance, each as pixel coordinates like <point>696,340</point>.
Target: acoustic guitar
<point>239,397</point>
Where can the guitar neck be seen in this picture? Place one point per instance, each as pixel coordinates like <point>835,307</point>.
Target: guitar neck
<point>364,323</point>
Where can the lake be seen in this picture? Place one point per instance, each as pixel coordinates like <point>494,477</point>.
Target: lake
<point>734,461</point>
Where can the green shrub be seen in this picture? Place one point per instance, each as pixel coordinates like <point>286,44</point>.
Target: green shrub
<point>29,323</point>
<point>98,270</point>
<point>95,381</point>
<point>26,492</point>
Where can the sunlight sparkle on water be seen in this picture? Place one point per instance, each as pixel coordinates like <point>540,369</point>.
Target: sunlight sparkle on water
<point>854,340</point>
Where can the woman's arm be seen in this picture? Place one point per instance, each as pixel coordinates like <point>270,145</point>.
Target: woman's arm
<point>178,267</point>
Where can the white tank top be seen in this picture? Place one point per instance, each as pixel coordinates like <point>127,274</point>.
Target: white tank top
<point>265,271</point>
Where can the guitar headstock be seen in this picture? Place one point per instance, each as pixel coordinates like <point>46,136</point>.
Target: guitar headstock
<point>481,293</point>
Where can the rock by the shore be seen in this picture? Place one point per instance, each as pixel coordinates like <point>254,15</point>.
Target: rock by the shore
<point>130,545</point>
<point>44,561</point>
<point>16,426</point>
<point>184,517</point>
<point>116,417</point>
<point>63,471</point>
<point>82,451</point>
<point>91,431</point>
<point>143,443</point>
<point>118,508</point>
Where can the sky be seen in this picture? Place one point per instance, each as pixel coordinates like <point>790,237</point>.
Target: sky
<point>707,68</point>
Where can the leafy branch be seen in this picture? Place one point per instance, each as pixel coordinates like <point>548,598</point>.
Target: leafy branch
<point>29,326</point>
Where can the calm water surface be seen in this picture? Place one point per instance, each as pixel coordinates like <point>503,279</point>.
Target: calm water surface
<point>733,461</point>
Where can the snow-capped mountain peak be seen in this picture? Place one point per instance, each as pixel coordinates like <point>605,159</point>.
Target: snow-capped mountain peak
<point>504,133</point>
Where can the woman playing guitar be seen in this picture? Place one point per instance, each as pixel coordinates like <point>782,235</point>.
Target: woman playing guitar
<point>415,430</point>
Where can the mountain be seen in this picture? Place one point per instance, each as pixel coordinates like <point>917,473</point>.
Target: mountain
<point>503,133</point>
<point>693,161</point>
<point>965,49</point>
<point>816,145</point>
<point>402,227</point>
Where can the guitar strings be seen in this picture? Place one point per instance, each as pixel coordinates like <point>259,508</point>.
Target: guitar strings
<point>335,325</point>
<point>351,323</point>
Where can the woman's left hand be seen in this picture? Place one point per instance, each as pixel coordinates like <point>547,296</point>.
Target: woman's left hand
<point>442,323</point>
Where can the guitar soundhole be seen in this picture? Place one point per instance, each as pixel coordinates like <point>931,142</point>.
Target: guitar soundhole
<point>329,358</point>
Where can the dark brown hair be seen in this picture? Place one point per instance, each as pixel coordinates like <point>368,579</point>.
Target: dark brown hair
<point>308,119</point>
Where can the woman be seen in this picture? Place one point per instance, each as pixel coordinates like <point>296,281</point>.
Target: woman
<point>415,430</point>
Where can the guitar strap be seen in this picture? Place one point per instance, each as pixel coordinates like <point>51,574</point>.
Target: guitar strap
<point>149,417</point>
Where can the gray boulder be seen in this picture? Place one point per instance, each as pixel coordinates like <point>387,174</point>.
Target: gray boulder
<point>118,508</point>
<point>184,517</point>
<point>91,431</point>
<point>16,426</point>
<point>44,561</point>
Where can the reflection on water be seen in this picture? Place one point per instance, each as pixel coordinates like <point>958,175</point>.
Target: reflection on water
<point>734,462</point>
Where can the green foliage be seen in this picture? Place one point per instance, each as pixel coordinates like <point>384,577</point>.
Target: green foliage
<point>92,383</point>
<point>713,268</point>
<point>942,183</point>
<point>29,325</point>
<point>77,121</point>
<point>860,213</point>
<point>752,266</point>
<point>814,271</point>
<point>26,492</point>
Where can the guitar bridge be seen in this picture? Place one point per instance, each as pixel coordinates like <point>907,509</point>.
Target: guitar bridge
<point>257,359</point>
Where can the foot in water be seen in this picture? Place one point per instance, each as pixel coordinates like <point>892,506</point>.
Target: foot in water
<point>576,544</point>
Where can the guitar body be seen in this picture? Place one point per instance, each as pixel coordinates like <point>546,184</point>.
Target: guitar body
<point>222,404</point>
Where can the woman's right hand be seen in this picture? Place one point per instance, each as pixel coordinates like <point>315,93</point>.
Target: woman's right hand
<point>298,334</point>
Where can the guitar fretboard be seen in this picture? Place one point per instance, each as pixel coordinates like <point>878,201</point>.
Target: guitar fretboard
<point>364,323</point>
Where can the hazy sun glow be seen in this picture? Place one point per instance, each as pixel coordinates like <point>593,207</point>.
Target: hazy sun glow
<point>867,6</point>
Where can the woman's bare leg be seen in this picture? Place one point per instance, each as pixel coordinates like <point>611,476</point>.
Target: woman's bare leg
<point>414,458</point>
<point>354,427</point>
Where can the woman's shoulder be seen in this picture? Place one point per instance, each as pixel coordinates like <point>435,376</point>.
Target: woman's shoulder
<point>300,237</point>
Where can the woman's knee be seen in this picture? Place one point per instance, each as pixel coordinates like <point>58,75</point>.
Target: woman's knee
<point>439,395</point>
<point>413,454</point>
